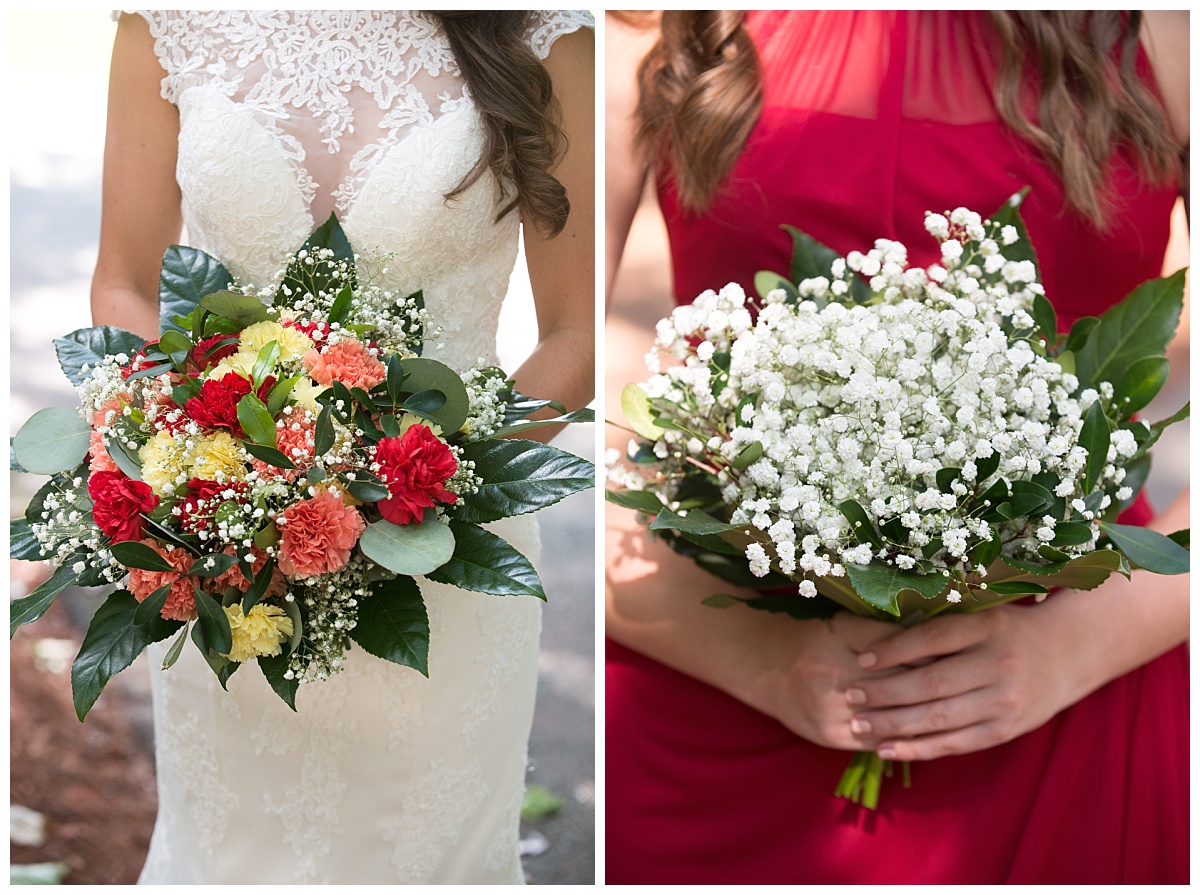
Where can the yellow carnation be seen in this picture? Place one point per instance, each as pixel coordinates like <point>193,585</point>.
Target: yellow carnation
<point>305,392</point>
<point>261,633</point>
<point>239,362</point>
<point>164,460</point>
<point>293,344</point>
<point>219,458</point>
<point>408,420</point>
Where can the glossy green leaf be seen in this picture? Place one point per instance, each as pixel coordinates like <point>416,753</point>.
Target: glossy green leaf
<point>277,398</point>
<point>264,364</point>
<point>136,555</point>
<point>860,523</point>
<point>324,435</point>
<point>268,455</point>
<point>90,346</point>
<point>1070,534</point>
<point>813,259</point>
<point>213,621</point>
<point>241,309</point>
<point>150,608</point>
<point>112,642</point>
<point>486,563</point>
<point>520,477</point>
<point>53,440</point>
<point>21,542</point>
<point>1140,384</point>
<point>1140,326</point>
<point>694,522</point>
<point>1045,319</point>
<point>1080,330</point>
<point>188,275</point>
<point>176,345</point>
<point>415,549</point>
<point>880,585</point>
<point>1094,438</point>
<point>212,565</point>
<point>259,586</point>
<point>393,624</point>
<point>1148,549</point>
<point>341,305</point>
<point>751,453</point>
<point>33,605</point>
<point>274,669</point>
<point>256,420</point>
<point>642,501</point>
<point>766,282</point>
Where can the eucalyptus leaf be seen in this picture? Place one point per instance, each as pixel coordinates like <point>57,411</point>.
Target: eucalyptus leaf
<point>112,642</point>
<point>415,549</point>
<point>127,461</point>
<point>486,563</point>
<point>393,624</point>
<point>423,374</point>
<point>53,440</point>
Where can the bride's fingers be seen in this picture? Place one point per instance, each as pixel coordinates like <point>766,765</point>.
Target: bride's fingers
<point>939,745</point>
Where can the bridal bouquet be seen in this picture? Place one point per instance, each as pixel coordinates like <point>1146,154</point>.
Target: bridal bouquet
<point>267,478</point>
<point>902,442</point>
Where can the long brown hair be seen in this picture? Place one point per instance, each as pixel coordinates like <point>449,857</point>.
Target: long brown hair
<point>512,91</point>
<point>700,97</point>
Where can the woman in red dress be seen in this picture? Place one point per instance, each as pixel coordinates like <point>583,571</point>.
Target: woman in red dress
<point>1049,741</point>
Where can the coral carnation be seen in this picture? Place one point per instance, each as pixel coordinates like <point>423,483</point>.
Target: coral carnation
<point>234,578</point>
<point>118,504</point>
<point>99,460</point>
<point>415,468</point>
<point>317,535</point>
<point>348,362</point>
<point>181,601</point>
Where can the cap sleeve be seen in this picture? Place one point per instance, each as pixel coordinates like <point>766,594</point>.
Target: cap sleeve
<point>548,25</point>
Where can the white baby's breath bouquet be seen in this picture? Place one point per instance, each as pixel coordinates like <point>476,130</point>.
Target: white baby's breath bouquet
<point>899,441</point>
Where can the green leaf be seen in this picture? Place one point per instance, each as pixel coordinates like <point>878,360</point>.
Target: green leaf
<point>90,346</point>
<point>539,802</point>
<point>393,625</point>
<point>241,309</point>
<point>766,282</point>
<point>1141,382</point>
<point>1081,573</point>
<point>1148,549</point>
<point>368,491</point>
<point>642,501</point>
<point>636,406</point>
<point>422,374</point>
<point>264,364</point>
<point>880,585</point>
<point>176,345</point>
<point>212,565</point>
<point>408,549</point>
<point>1017,588</point>
<point>520,477</point>
<point>945,478</point>
<point>136,555</point>
<point>324,436</point>
<point>1009,214</point>
<point>1080,330</point>
<point>303,278</point>
<point>1069,534</point>
<point>112,642</point>
<point>695,522</point>
<point>395,377</point>
<point>860,523</point>
<point>277,398</point>
<point>813,259</point>
<point>259,585</point>
<point>127,461</point>
<point>1094,438</point>
<point>256,420</point>
<point>21,542</point>
<point>33,606</point>
<point>586,415</point>
<point>1045,319</point>
<point>187,276</point>
<point>389,425</point>
<point>176,649</point>
<point>269,455</point>
<point>341,305</point>
<point>751,453</point>
<point>486,563</point>
<point>274,668</point>
<point>213,621</point>
<point>1140,326</point>
<point>45,874</point>
<point>424,403</point>
<point>150,608</point>
<point>1183,538</point>
<point>52,440</point>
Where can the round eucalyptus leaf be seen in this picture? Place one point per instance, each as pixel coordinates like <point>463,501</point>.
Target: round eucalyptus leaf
<point>52,440</point>
<point>422,374</point>
<point>408,549</point>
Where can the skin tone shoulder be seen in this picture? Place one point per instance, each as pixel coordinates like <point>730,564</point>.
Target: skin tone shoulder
<point>957,684</point>
<point>141,217</point>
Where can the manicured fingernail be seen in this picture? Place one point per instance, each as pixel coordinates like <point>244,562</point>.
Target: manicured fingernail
<point>867,660</point>
<point>887,753</point>
<point>860,725</point>
<point>855,696</point>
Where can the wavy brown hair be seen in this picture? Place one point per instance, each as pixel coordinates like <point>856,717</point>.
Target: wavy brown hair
<point>512,91</point>
<point>700,97</point>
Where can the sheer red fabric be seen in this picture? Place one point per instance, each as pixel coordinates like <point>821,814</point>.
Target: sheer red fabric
<point>870,119</point>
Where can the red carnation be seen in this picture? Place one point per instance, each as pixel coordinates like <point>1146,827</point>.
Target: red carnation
<point>414,466</point>
<point>201,502</point>
<point>203,353</point>
<point>118,504</point>
<point>216,405</point>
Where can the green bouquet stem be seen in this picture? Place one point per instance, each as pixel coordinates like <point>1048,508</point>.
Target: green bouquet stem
<point>863,779</point>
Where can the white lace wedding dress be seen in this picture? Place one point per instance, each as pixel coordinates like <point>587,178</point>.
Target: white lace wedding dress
<point>382,775</point>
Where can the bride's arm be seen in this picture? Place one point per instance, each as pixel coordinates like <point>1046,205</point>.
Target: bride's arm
<point>562,268</point>
<point>794,671</point>
<point>140,210</point>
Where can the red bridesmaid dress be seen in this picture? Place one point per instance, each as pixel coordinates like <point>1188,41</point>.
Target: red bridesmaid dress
<point>870,119</point>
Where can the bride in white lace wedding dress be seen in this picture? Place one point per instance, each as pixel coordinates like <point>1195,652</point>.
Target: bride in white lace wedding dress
<point>264,124</point>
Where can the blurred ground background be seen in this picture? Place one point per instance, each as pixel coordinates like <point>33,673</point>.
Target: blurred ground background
<point>89,788</point>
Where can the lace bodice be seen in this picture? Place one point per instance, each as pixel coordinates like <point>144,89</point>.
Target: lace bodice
<point>287,116</point>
